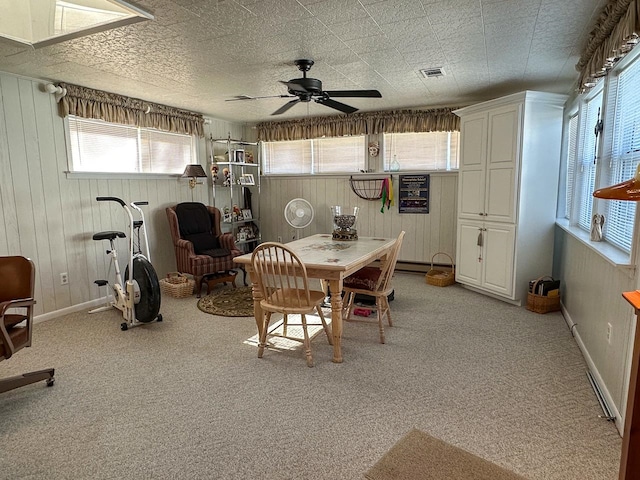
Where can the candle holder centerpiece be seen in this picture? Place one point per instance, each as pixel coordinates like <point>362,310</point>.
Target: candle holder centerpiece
<point>344,222</point>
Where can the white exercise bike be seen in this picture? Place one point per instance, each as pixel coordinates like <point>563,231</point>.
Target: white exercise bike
<point>138,297</point>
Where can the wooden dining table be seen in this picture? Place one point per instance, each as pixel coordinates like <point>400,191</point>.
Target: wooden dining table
<point>329,260</point>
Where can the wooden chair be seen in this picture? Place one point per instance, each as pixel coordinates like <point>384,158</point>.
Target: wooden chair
<point>16,294</point>
<point>282,279</point>
<point>375,282</point>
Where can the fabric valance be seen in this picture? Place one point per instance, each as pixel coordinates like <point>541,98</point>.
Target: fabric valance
<point>392,121</point>
<point>613,36</point>
<point>110,107</point>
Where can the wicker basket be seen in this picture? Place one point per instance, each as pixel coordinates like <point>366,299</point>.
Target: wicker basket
<point>542,303</point>
<point>177,285</point>
<point>441,278</point>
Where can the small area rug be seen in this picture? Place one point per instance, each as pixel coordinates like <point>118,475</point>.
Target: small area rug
<point>228,302</point>
<point>418,456</point>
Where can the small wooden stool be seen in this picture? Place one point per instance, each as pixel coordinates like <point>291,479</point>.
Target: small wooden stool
<point>219,277</point>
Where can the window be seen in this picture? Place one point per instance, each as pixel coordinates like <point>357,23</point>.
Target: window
<point>322,155</point>
<point>422,151</point>
<point>587,165</point>
<point>607,158</point>
<point>98,146</point>
<point>625,154</point>
<point>572,158</point>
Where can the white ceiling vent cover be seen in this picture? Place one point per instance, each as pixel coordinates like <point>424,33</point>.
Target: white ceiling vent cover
<point>432,72</point>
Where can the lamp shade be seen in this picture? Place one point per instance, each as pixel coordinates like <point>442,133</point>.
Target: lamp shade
<point>194,170</point>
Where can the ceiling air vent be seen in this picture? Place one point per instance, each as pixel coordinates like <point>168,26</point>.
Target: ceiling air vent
<point>432,72</point>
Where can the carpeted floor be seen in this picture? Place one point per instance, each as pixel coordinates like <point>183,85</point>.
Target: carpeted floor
<point>188,398</point>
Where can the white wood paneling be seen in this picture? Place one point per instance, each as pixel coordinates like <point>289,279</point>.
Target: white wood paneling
<point>51,219</point>
<point>426,234</point>
<point>591,293</point>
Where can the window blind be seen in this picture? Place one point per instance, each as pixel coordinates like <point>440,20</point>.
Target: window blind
<point>338,154</point>
<point>625,155</point>
<point>98,146</point>
<point>422,151</point>
<point>572,154</point>
<point>287,157</point>
<point>321,155</point>
<point>587,174</point>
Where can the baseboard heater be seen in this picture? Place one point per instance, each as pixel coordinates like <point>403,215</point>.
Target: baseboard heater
<point>608,416</point>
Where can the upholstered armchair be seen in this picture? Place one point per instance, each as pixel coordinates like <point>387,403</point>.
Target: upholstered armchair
<point>200,246</point>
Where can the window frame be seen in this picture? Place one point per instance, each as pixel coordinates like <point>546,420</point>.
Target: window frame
<point>312,149</point>
<point>82,174</point>
<point>383,158</point>
<point>610,252</point>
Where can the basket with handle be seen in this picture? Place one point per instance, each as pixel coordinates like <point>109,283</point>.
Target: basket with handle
<point>542,303</point>
<point>438,277</point>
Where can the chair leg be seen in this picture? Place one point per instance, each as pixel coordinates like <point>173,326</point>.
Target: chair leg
<point>285,322</point>
<point>263,337</point>
<point>18,381</point>
<point>307,342</point>
<point>379,314</point>
<point>348,310</point>
<point>324,325</point>
<point>388,311</point>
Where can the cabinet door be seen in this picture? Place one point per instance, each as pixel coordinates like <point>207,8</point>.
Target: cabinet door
<point>471,177</point>
<point>469,253</point>
<point>498,258</point>
<point>502,163</point>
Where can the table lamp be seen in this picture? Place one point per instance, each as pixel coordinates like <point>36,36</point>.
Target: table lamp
<point>193,171</point>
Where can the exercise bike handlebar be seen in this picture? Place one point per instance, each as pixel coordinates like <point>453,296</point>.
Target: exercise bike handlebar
<point>111,199</point>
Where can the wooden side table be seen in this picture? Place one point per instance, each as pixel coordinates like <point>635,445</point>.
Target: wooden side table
<point>212,279</point>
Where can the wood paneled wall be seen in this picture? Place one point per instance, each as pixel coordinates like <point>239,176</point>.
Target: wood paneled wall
<point>592,296</point>
<point>426,234</point>
<point>51,218</point>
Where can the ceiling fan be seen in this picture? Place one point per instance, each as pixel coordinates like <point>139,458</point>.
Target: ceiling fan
<point>307,89</point>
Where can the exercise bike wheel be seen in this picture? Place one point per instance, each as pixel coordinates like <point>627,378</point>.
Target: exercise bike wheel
<point>144,274</point>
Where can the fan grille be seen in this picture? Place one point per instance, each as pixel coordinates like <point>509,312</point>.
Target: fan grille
<point>298,213</point>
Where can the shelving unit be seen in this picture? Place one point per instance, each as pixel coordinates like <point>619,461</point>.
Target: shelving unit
<point>236,190</point>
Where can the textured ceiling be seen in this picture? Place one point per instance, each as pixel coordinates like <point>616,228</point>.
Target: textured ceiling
<point>198,53</point>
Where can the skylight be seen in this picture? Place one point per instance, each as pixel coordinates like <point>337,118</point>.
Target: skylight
<point>39,23</point>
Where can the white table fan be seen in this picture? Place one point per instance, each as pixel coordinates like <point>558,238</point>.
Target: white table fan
<point>299,214</point>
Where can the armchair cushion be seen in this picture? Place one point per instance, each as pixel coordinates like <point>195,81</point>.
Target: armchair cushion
<point>196,227</point>
<point>364,279</point>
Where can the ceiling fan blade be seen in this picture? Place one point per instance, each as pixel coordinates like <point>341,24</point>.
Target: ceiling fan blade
<point>249,97</point>
<point>337,105</point>
<point>295,87</point>
<point>354,93</point>
<point>286,107</point>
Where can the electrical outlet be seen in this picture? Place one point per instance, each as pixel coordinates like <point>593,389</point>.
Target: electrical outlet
<point>609,333</point>
<point>64,278</point>
<point>279,238</point>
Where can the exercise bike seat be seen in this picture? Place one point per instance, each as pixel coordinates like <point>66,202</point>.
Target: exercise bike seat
<point>110,235</point>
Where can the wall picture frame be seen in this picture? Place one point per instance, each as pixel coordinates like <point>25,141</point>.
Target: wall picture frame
<point>247,179</point>
<point>246,214</point>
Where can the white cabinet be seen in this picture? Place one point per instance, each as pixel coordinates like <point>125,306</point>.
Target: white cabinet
<point>236,190</point>
<point>486,256</point>
<point>489,168</point>
<point>507,192</point>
